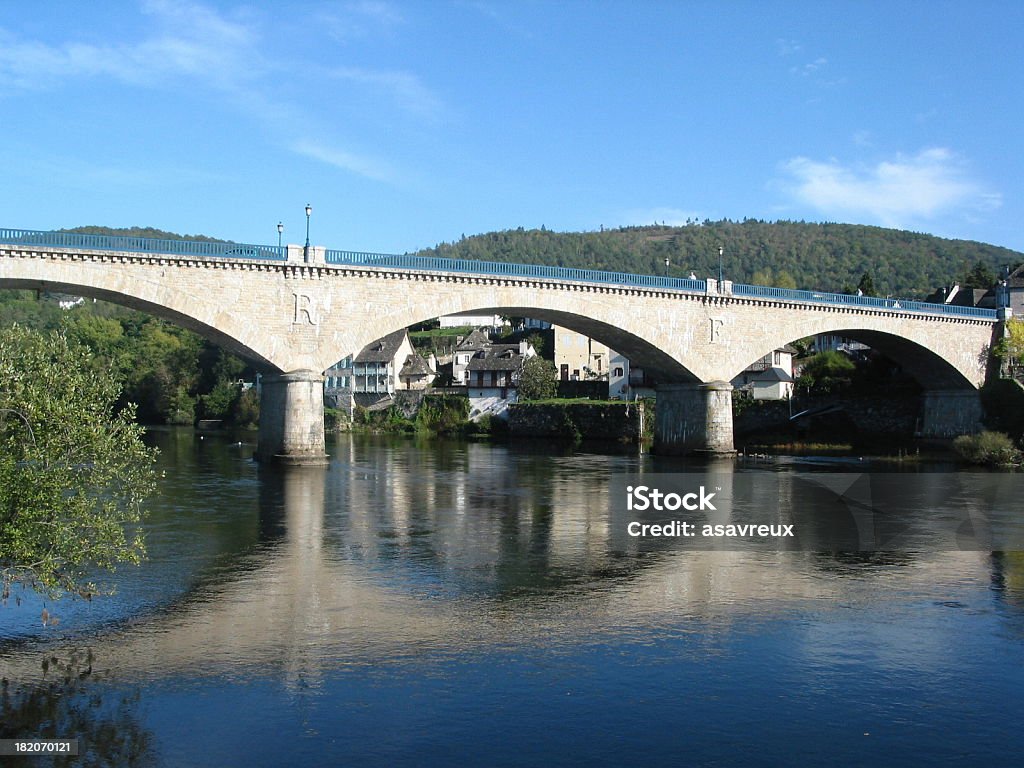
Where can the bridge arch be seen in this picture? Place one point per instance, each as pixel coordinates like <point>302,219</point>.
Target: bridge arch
<point>228,328</point>
<point>939,356</point>
<point>924,365</point>
<point>640,351</point>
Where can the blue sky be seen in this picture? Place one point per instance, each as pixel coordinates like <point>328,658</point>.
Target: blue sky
<point>406,124</point>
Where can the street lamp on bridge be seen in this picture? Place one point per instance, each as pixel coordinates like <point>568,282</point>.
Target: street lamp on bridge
<point>720,251</point>
<point>309,210</point>
<point>280,231</point>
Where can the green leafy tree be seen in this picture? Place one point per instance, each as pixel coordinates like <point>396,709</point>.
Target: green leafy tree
<point>867,285</point>
<point>981,275</point>
<point>785,280</point>
<point>828,371</point>
<point>539,343</point>
<point>220,401</point>
<point>1011,346</point>
<point>245,412</point>
<point>181,407</point>
<point>73,468</point>
<point>537,381</point>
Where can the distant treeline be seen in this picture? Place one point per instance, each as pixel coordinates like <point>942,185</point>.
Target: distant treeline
<point>148,232</point>
<point>827,257</point>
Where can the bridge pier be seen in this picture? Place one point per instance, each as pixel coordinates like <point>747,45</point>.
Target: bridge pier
<point>951,412</point>
<point>292,419</point>
<point>694,418</point>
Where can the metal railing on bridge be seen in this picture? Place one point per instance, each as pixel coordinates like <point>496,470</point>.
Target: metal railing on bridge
<point>868,302</point>
<point>127,243</point>
<point>210,249</point>
<point>506,269</point>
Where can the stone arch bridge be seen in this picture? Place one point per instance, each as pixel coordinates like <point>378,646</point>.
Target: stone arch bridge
<point>296,311</point>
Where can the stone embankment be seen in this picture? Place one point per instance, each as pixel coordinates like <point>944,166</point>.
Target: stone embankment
<point>883,415</point>
<point>581,421</point>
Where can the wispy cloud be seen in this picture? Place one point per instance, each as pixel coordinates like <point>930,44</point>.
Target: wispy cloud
<point>898,192</point>
<point>191,41</point>
<point>350,21</point>
<point>501,15</point>
<point>814,70</point>
<point>85,174</point>
<point>371,168</point>
<point>786,47</point>
<point>810,68</point>
<point>862,138</point>
<point>404,89</point>
<point>200,47</point>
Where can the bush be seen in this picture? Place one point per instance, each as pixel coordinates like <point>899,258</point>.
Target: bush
<point>220,400</point>
<point>826,372</point>
<point>488,424</point>
<point>181,407</point>
<point>384,420</point>
<point>538,380</point>
<point>335,419</point>
<point>994,448</point>
<point>442,414</point>
<point>245,411</point>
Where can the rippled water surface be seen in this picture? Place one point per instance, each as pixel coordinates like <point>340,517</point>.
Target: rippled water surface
<point>435,603</point>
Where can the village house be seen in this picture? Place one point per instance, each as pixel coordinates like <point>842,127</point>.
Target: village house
<point>579,357</point>
<point>375,370</point>
<point>1010,291</point>
<point>464,352</point>
<point>957,296</point>
<point>769,378</point>
<point>493,377</point>
<point>418,373</point>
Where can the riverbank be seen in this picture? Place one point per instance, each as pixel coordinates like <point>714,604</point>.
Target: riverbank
<point>570,420</point>
<point>873,427</point>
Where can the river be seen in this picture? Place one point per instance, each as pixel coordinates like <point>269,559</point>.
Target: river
<point>434,603</point>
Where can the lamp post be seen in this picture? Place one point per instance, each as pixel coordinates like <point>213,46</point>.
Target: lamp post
<point>667,262</point>
<point>280,231</point>
<point>309,210</point>
<point>720,251</point>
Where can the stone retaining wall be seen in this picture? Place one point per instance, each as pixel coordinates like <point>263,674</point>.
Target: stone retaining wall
<point>588,421</point>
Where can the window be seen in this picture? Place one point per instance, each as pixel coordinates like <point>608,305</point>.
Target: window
<point>619,371</point>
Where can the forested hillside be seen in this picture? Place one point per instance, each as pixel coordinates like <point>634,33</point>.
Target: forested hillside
<point>832,257</point>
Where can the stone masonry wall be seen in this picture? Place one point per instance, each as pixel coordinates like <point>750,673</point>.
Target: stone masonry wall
<point>598,421</point>
<point>898,415</point>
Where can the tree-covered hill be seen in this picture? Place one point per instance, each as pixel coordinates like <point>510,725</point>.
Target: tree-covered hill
<point>150,232</point>
<point>831,257</point>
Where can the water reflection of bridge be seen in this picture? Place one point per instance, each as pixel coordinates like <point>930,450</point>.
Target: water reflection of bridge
<point>376,563</point>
